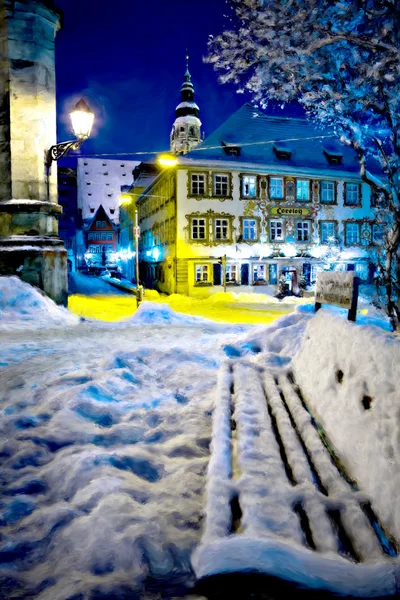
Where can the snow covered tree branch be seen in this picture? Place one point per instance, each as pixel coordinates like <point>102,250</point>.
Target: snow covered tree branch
<point>341,61</point>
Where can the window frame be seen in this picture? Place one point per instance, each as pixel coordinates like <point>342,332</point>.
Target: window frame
<point>228,229</point>
<point>321,223</point>
<point>232,266</point>
<point>198,193</point>
<point>303,222</point>
<point>270,184</point>
<point>273,221</point>
<point>334,184</point>
<point>199,218</point>
<point>359,192</point>
<point>243,195</point>
<point>308,182</point>
<point>228,185</point>
<point>201,281</point>
<point>256,229</point>
<point>254,266</point>
<point>346,241</point>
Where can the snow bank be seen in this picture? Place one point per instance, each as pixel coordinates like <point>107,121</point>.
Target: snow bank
<point>350,376</point>
<point>22,305</point>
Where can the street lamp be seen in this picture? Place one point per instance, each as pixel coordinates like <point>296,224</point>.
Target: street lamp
<point>82,121</point>
<point>167,160</point>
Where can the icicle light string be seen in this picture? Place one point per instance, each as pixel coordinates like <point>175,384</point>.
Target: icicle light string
<point>241,145</point>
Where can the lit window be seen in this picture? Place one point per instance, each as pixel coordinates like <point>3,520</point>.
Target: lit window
<point>328,231</point>
<point>198,229</point>
<point>231,273</point>
<point>302,189</point>
<point>202,273</point>
<point>276,187</point>
<point>327,192</point>
<point>276,231</point>
<point>352,194</point>
<point>259,273</point>
<point>221,229</point>
<point>303,231</point>
<point>198,184</point>
<point>352,233</point>
<point>249,229</point>
<point>109,235</point>
<point>221,185</point>
<point>249,186</point>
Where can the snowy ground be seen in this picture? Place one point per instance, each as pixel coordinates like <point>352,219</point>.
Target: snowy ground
<point>105,433</point>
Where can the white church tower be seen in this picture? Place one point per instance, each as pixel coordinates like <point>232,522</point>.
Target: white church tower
<point>186,134</point>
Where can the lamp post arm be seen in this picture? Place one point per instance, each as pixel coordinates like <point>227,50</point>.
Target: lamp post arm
<point>59,150</point>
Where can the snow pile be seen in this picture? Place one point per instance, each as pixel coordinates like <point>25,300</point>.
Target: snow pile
<point>350,376</point>
<point>22,305</point>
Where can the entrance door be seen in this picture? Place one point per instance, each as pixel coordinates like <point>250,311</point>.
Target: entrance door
<point>217,268</point>
<point>244,274</point>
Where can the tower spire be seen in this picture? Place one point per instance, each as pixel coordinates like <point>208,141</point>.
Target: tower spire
<point>185,133</point>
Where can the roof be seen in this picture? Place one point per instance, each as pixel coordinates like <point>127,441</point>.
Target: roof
<point>100,212</point>
<point>256,134</point>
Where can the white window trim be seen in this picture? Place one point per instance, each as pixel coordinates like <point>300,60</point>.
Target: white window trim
<point>249,239</point>
<point>303,222</point>
<point>273,184</point>
<point>201,266</point>
<point>244,195</point>
<point>270,230</point>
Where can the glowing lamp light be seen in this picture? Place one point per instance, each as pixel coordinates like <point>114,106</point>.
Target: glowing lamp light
<point>155,253</point>
<point>82,120</point>
<point>125,199</point>
<point>167,160</point>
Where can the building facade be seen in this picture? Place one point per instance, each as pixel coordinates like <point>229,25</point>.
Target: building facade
<point>101,240</point>
<point>99,183</point>
<point>274,196</point>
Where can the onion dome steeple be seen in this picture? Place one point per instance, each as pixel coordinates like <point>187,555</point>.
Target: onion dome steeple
<point>185,133</point>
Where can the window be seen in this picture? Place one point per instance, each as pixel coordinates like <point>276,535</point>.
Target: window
<point>104,235</point>
<point>112,211</point>
<point>231,150</point>
<point>302,189</point>
<point>105,173</point>
<point>221,186</point>
<point>198,186</point>
<point>249,229</point>
<point>378,232</point>
<point>249,186</point>
<point>109,195</point>
<point>352,233</point>
<point>303,231</point>
<point>88,183</point>
<point>94,249</point>
<point>221,229</point>
<point>361,271</point>
<point>198,229</point>
<point>100,223</point>
<point>92,209</point>
<point>328,231</point>
<point>202,273</point>
<point>231,273</point>
<point>327,189</point>
<point>352,194</point>
<point>259,273</point>
<point>276,231</point>
<point>91,236</point>
<point>97,235</point>
<point>333,157</point>
<point>282,152</point>
<point>276,187</point>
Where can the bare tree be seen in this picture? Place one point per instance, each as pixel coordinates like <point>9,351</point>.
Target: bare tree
<point>341,61</point>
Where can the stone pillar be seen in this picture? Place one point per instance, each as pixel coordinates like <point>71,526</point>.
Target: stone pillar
<point>29,242</point>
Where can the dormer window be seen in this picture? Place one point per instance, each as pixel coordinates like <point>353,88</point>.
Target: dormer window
<point>333,157</point>
<point>282,152</point>
<point>231,149</point>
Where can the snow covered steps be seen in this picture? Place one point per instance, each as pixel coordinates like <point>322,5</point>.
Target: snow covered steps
<point>278,499</point>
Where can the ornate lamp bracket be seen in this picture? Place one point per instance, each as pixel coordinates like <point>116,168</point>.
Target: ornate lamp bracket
<point>59,150</point>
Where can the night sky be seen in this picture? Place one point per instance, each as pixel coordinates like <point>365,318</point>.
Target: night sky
<point>127,58</point>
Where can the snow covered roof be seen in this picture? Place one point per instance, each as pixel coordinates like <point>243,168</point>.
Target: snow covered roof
<point>257,134</point>
<point>99,214</point>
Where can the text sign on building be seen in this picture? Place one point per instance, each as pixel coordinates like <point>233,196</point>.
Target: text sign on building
<point>335,288</point>
<point>292,211</point>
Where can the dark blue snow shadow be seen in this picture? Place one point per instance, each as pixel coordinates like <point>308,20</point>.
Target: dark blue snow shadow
<point>252,347</point>
<point>91,413</point>
<point>138,466</point>
<point>232,352</point>
<point>279,361</point>
<point>181,398</point>
<point>30,488</point>
<point>16,510</point>
<point>31,459</point>
<point>26,422</point>
<point>95,393</point>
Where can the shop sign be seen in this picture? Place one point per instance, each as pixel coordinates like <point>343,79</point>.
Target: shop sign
<point>292,211</point>
<point>339,288</point>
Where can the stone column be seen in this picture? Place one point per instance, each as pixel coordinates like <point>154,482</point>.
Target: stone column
<point>29,242</point>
